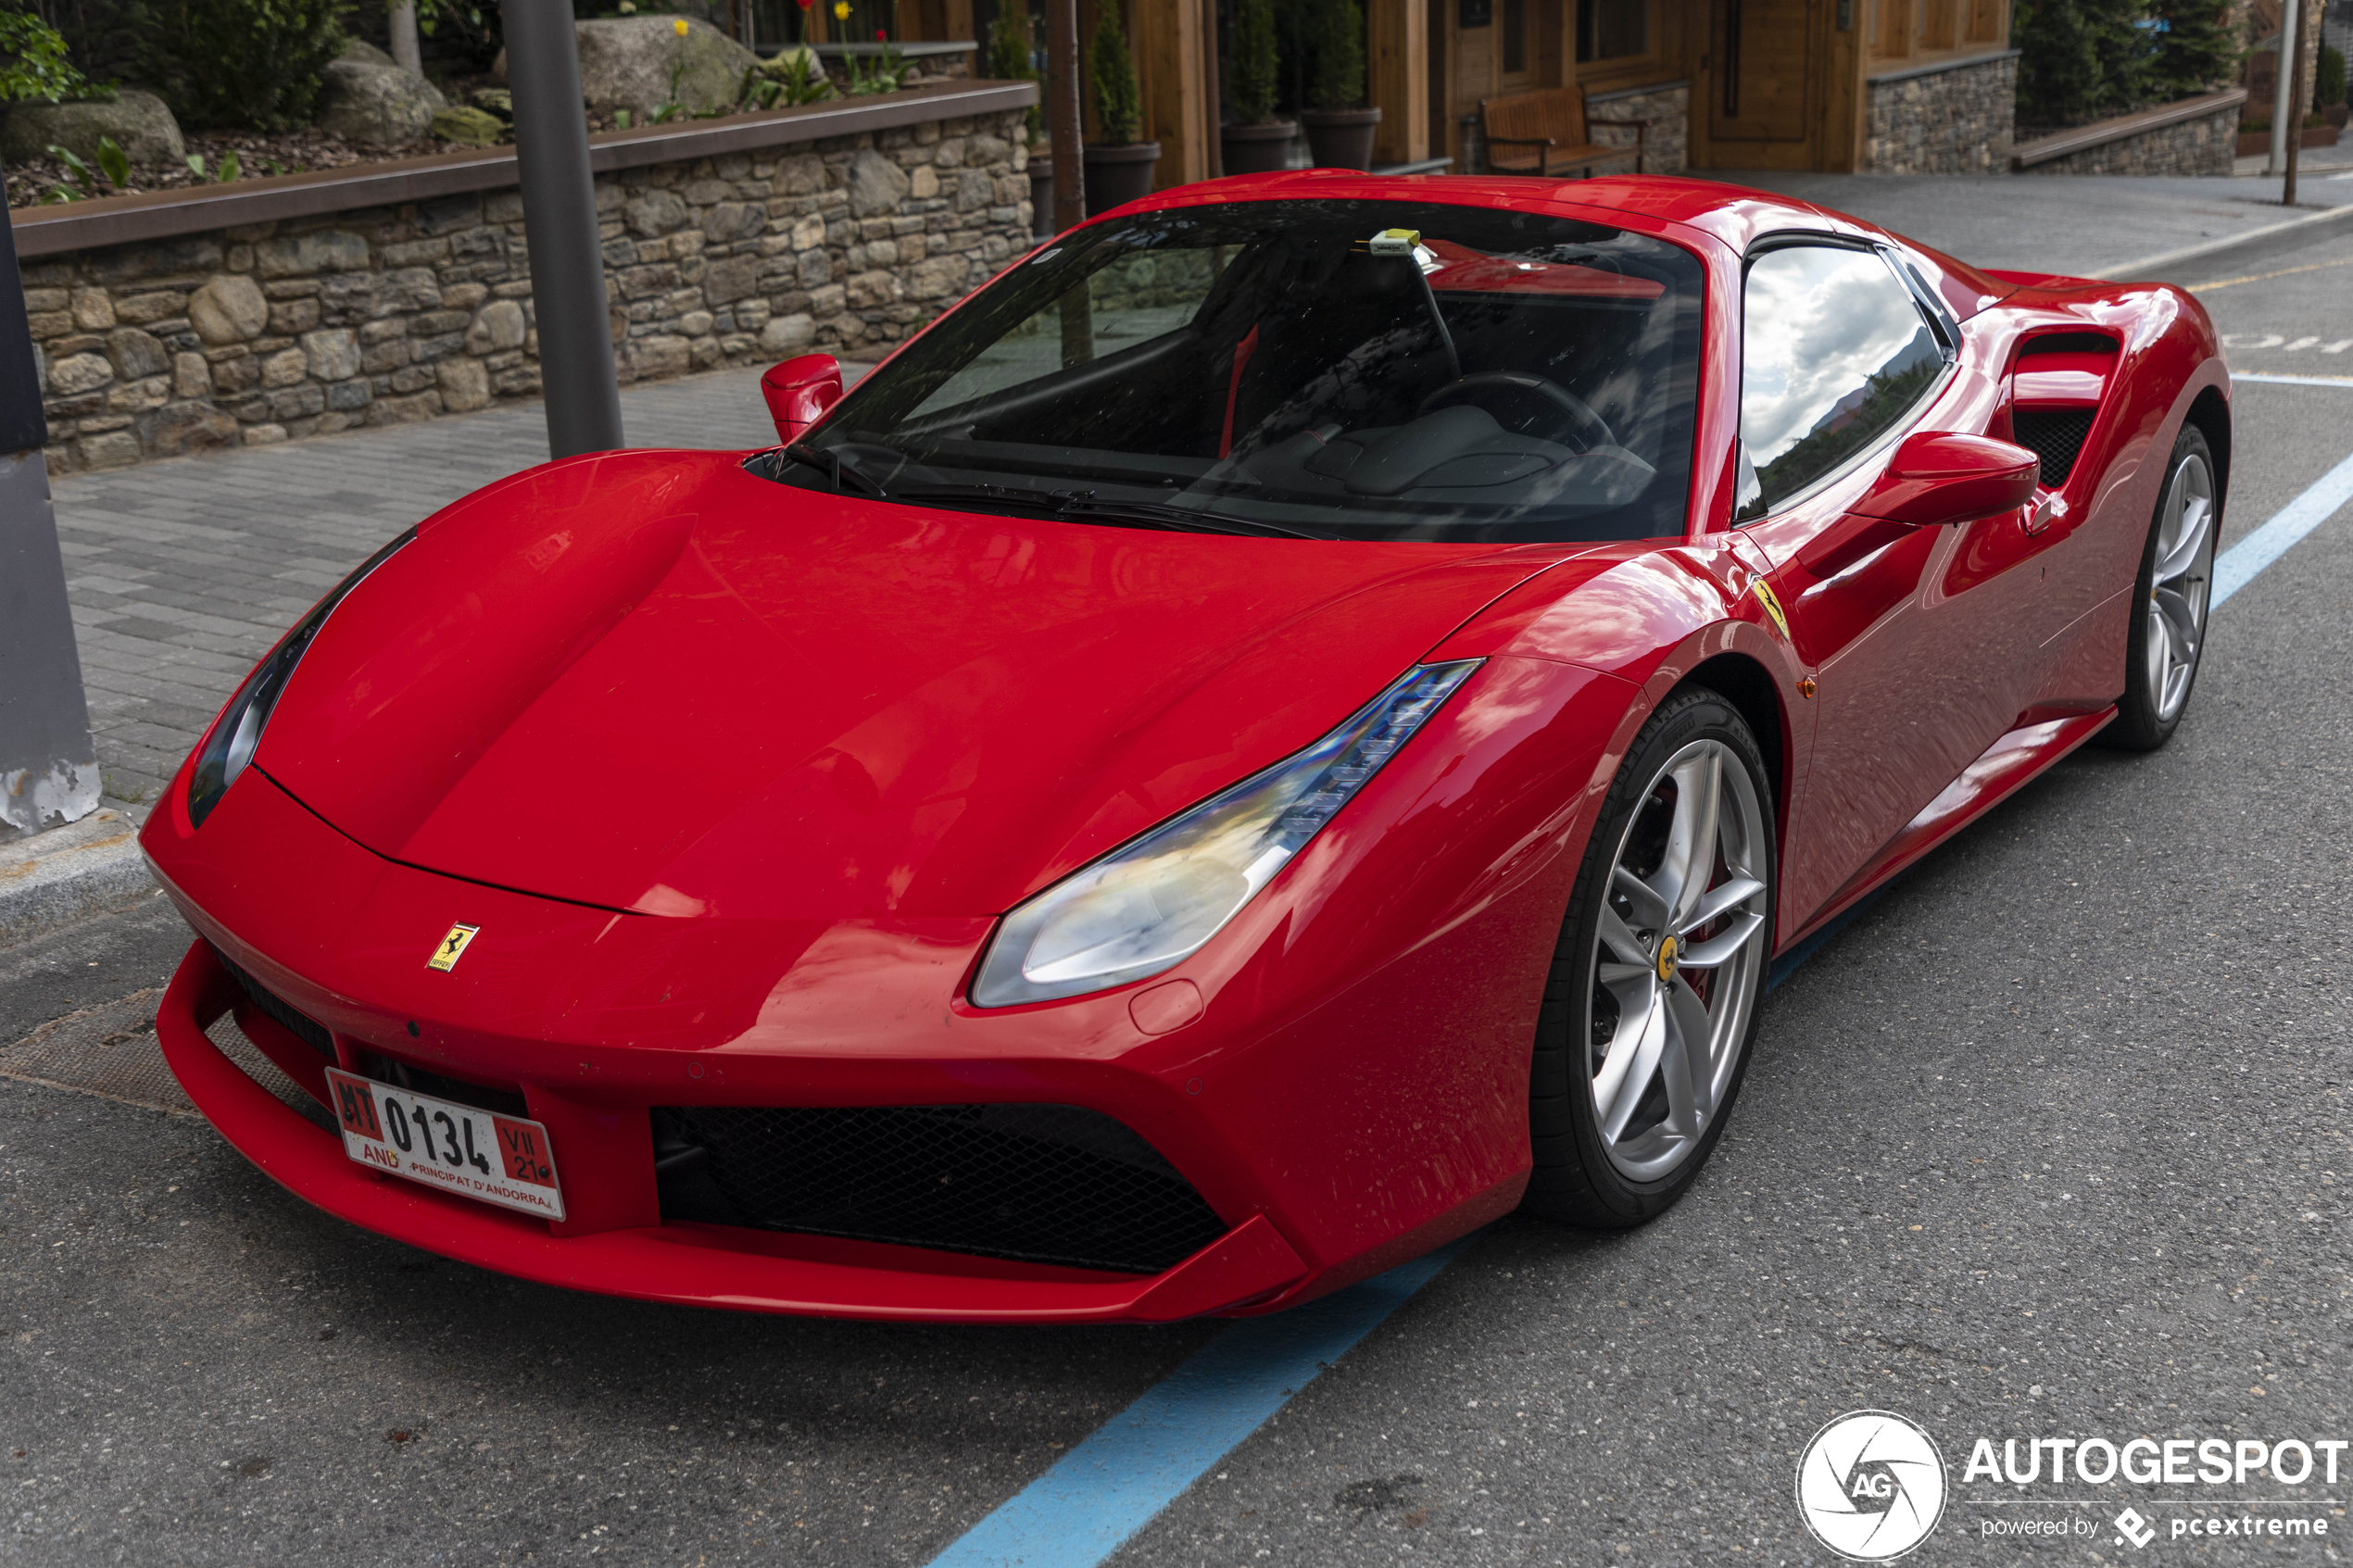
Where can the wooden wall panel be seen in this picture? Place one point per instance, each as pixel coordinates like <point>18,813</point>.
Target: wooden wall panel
<point>1165,37</point>
<point>1397,78</point>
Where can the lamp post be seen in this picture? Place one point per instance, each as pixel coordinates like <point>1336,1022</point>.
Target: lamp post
<point>560,224</point>
<point>48,765</point>
<point>2291,27</point>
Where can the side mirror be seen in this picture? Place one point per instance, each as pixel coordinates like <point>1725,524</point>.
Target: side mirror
<point>1938,477</point>
<point>799,391</point>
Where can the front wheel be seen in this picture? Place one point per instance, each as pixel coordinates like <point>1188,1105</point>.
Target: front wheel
<point>1651,1006</point>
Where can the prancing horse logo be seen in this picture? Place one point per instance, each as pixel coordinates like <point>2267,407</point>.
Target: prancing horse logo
<point>452,948</point>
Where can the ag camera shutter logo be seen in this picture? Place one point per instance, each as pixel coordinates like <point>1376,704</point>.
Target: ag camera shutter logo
<point>1871,1486</point>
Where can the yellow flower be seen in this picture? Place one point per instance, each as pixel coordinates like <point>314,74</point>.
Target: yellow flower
<point>841,10</point>
<point>679,27</point>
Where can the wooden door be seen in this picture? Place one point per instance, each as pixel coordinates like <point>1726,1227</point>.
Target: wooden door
<point>1764,79</point>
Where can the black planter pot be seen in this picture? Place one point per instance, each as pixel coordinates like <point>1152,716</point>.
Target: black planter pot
<point>1042,196</point>
<point>1258,149</point>
<point>1118,175</point>
<point>1340,138</point>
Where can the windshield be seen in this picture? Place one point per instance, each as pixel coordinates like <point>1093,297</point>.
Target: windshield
<point>1327,369</point>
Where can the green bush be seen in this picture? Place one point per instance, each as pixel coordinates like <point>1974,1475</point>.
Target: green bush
<point>2332,87</point>
<point>1119,108</point>
<point>2197,52</point>
<point>2080,60</point>
<point>1253,73</point>
<point>1338,81</point>
<point>254,63</point>
<point>1011,57</point>
<point>37,68</point>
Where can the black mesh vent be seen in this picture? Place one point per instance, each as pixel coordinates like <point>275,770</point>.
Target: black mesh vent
<point>309,1030</point>
<point>2056,436</point>
<point>1044,1183</point>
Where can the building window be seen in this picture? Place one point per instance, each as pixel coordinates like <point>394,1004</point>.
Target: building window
<point>1611,30</point>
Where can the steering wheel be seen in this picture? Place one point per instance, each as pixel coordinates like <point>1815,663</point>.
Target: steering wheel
<point>1561,415</point>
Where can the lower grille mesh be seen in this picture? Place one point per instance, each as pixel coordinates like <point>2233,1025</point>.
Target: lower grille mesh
<point>302,1026</point>
<point>2056,436</point>
<point>1043,1183</point>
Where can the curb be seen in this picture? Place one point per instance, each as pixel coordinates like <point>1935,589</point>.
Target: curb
<point>71,871</point>
<point>2147,266</point>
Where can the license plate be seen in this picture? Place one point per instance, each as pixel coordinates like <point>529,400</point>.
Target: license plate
<point>500,1160</point>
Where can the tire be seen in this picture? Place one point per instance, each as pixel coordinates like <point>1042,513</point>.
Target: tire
<point>2165,641</point>
<point>1598,1063</point>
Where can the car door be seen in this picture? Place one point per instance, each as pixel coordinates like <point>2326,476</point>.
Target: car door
<point>1906,631</point>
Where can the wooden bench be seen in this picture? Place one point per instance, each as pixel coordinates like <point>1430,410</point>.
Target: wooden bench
<point>1546,129</point>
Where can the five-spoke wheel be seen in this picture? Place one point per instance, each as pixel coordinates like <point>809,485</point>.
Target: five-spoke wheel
<point>2174,588</point>
<point>1646,1028</point>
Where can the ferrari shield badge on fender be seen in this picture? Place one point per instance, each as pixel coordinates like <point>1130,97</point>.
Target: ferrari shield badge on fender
<point>1772,604</point>
<point>452,948</point>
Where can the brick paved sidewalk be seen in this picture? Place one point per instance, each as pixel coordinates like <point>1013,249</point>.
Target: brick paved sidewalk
<point>182,573</point>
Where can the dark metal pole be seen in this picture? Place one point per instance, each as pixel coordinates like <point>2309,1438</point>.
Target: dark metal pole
<point>48,766</point>
<point>560,222</point>
<point>1063,128</point>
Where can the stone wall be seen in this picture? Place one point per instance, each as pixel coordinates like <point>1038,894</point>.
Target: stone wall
<point>1666,147</point>
<point>392,314</point>
<point>1953,119</point>
<point>2208,145</point>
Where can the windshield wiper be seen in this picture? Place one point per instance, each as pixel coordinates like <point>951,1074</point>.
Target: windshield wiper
<point>1049,501</point>
<point>1080,506</point>
<point>834,466</point>
<point>1156,514</point>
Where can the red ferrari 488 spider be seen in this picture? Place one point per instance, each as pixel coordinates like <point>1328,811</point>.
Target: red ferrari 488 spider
<point>1288,725</point>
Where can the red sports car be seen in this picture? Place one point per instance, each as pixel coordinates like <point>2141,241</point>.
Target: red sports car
<point>1290,724</point>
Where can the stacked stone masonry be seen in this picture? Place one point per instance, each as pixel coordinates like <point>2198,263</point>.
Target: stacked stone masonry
<point>392,314</point>
<point>1957,120</point>
<point>1666,145</point>
<point>2208,145</point>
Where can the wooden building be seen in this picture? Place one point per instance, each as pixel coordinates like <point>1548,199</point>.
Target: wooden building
<point>1893,86</point>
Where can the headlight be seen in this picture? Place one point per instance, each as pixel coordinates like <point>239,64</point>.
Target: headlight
<point>1152,902</point>
<point>234,735</point>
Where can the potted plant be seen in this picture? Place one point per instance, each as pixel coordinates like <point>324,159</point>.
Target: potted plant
<point>1340,128</point>
<point>1119,167</point>
<point>1257,142</point>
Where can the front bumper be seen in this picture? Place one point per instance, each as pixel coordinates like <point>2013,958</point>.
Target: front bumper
<point>686,1263</point>
<point>1332,1137</point>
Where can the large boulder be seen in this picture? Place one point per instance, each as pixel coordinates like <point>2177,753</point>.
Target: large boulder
<point>367,54</point>
<point>365,102</point>
<point>138,122</point>
<point>625,63</point>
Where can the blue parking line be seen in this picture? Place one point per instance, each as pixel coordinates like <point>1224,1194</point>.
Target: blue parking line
<point>1114,1483</point>
<point>2239,565</point>
<point>2293,381</point>
<point>1119,1478</point>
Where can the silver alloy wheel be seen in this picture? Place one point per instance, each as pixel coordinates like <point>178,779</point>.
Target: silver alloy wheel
<point>2174,620</point>
<point>1679,960</point>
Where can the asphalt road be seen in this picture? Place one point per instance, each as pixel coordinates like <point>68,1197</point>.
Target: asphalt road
<point>2052,1142</point>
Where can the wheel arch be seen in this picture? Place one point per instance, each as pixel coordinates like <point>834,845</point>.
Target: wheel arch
<point>2212,415</point>
<point>1750,689</point>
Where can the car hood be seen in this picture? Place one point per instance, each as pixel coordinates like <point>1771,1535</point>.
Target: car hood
<point>653,682</point>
